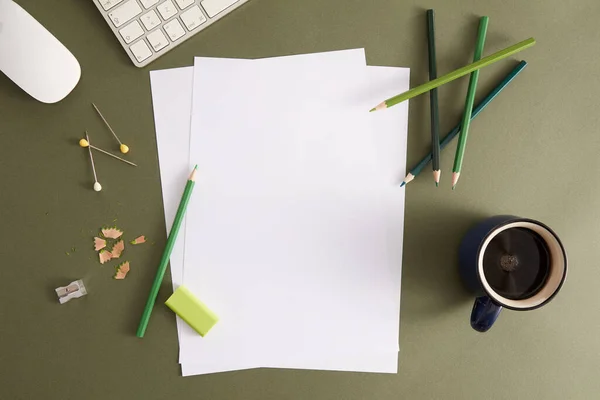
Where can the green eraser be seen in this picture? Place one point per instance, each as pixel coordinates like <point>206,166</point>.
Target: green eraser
<point>191,310</point>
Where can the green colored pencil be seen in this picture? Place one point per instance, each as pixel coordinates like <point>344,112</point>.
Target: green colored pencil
<point>416,170</point>
<point>164,261</point>
<point>484,62</point>
<point>466,120</point>
<point>433,98</point>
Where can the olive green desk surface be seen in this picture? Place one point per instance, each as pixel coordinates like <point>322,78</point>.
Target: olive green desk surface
<point>533,152</point>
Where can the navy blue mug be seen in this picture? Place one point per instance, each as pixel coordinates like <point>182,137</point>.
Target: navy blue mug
<point>510,262</point>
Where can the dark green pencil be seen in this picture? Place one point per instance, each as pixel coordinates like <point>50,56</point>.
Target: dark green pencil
<point>433,99</point>
<point>466,121</point>
<point>416,170</point>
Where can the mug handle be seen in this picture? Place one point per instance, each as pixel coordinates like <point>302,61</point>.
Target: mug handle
<point>484,314</point>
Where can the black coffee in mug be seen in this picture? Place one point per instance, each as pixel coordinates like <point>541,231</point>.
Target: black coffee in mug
<point>510,262</point>
<point>516,263</point>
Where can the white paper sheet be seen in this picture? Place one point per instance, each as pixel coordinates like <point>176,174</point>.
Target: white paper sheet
<point>374,363</point>
<point>389,163</point>
<point>172,102</point>
<point>171,97</point>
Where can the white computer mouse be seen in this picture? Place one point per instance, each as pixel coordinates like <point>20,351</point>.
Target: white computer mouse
<point>33,58</point>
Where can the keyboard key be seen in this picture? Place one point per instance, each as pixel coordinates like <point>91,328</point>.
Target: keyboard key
<point>183,4</point>
<point>150,20</point>
<point>174,29</point>
<point>193,18</point>
<point>108,4</point>
<point>157,40</point>
<point>167,9</point>
<point>148,3</point>
<point>140,50</point>
<point>131,32</point>
<point>213,7</point>
<point>125,13</point>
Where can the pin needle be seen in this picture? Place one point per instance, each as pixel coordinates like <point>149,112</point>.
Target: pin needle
<point>123,147</point>
<point>97,185</point>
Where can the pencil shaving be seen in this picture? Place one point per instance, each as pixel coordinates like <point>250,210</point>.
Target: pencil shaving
<point>122,270</point>
<point>104,256</point>
<point>139,240</point>
<point>112,233</point>
<point>117,249</point>
<point>99,243</point>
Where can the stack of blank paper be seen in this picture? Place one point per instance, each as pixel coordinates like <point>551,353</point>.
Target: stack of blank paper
<point>293,236</point>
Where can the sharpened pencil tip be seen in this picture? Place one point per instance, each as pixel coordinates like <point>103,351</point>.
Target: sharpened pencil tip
<point>193,174</point>
<point>380,106</point>
<point>455,176</point>
<point>196,166</point>
<point>407,179</point>
<point>436,176</point>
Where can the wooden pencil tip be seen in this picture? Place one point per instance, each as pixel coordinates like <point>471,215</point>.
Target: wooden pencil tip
<point>407,179</point>
<point>455,176</point>
<point>193,174</point>
<point>380,106</point>
<point>437,184</point>
<point>436,176</point>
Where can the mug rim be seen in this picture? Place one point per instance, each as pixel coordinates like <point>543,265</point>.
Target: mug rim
<point>493,231</point>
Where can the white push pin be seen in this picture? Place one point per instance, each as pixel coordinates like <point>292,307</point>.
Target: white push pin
<point>97,185</point>
<point>73,290</point>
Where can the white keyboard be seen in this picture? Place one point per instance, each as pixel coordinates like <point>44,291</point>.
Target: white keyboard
<point>147,29</point>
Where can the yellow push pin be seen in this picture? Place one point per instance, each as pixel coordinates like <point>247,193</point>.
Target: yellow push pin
<point>85,143</point>
<point>122,147</point>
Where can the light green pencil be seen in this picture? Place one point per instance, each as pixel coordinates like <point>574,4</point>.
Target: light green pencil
<point>164,261</point>
<point>466,120</point>
<point>467,69</point>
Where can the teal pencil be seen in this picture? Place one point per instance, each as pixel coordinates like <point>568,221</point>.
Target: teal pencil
<point>416,170</point>
<point>164,261</point>
<point>466,121</point>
